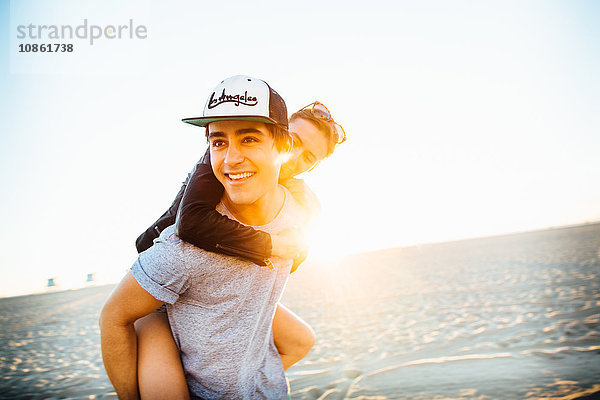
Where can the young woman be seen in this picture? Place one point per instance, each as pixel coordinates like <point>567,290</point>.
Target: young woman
<point>315,135</point>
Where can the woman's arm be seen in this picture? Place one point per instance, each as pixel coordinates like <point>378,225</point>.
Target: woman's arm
<point>197,222</point>
<point>200,224</point>
<point>146,239</point>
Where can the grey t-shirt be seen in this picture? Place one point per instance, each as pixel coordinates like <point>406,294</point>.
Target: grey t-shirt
<point>220,309</point>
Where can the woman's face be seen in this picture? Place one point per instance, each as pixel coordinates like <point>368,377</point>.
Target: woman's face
<point>310,147</point>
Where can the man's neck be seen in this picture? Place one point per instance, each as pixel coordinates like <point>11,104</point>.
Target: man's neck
<point>261,212</point>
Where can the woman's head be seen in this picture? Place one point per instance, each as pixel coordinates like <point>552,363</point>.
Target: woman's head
<point>315,135</point>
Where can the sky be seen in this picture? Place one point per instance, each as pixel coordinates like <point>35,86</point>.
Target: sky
<point>464,119</point>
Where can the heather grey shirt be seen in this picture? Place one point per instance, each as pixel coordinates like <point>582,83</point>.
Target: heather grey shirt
<point>220,309</point>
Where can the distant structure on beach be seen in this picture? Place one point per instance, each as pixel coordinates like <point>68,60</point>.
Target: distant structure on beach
<point>91,279</point>
<point>52,284</point>
<point>58,283</point>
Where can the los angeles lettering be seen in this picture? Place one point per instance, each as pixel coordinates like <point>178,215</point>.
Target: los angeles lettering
<point>228,98</point>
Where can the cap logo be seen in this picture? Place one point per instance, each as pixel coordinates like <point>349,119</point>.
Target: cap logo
<point>229,98</point>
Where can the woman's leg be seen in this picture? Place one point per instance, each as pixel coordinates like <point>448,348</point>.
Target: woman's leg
<point>160,373</point>
<point>293,337</point>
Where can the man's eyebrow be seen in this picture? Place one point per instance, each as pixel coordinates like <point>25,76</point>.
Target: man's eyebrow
<point>216,134</point>
<point>249,130</point>
<point>243,131</point>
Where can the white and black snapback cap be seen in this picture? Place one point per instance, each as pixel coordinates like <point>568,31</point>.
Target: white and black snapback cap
<point>243,98</point>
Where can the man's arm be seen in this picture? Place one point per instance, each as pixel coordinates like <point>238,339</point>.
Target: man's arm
<point>128,302</point>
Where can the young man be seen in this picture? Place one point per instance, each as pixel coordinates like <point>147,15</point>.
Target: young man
<point>220,308</point>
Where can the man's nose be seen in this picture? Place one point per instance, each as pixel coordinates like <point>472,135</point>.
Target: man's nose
<point>234,154</point>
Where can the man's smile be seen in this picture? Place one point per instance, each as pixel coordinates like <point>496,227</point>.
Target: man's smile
<point>239,177</point>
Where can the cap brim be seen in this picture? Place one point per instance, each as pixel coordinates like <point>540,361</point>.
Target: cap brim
<point>203,121</point>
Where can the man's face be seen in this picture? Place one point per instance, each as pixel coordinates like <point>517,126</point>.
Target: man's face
<point>244,159</point>
<point>310,147</point>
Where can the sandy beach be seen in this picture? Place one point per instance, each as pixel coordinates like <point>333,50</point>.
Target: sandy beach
<point>505,317</point>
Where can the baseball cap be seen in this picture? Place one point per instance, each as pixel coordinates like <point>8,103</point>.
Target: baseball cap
<point>243,98</point>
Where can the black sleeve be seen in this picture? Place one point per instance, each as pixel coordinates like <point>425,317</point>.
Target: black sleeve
<point>200,224</point>
<point>146,239</point>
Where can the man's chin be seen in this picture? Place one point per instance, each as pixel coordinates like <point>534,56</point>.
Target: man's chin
<point>240,199</point>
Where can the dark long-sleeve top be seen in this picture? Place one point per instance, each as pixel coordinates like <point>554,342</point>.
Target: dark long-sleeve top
<point>198,223</point>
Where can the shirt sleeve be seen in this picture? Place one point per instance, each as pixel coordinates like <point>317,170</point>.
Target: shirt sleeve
<point>160,271</point>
